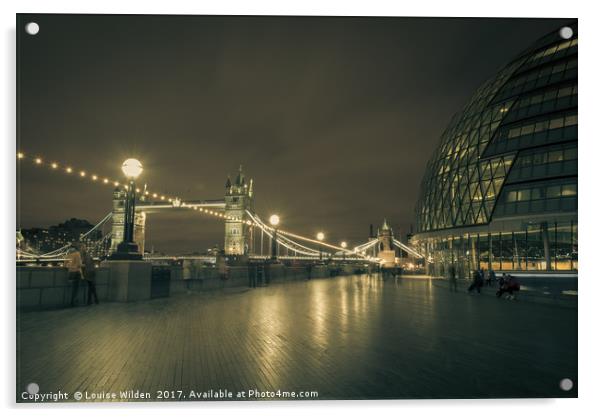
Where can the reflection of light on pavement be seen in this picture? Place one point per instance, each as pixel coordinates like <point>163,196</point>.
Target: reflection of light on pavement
<point>356,297</point>
<point>429,300</point>
<point>319,304</point>
<point>344,308</point>
<point>429,292</point>
<point>273,331</point>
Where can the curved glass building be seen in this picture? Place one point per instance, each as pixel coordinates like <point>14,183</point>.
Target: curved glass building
<point>500,191</point>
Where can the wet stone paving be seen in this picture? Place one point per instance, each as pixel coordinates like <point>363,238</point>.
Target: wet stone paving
<point>352,337</point>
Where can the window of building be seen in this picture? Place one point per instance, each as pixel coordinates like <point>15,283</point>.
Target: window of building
<point>569,190</point>
<point>571,120</point>
<point>553,191</point>
<point>556,123</point>
<point>554,156</point>
<point>536,198</point>
<point>523,195</point>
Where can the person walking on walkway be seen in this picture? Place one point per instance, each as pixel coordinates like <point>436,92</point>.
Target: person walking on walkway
<point>73,262</point>
<point>453,282</point>
<point>501,280</point>
<point>490,277</point>
<point>513,285</point>
<point>89,274</point>
<point>477,281</point>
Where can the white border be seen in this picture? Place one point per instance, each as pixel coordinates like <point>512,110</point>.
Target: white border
<point>590,291</point>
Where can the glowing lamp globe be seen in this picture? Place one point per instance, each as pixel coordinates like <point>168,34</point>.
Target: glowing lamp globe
<point>320,236</point>
<point>132,168</point>
<point>274,220</point>
<point>344,245</point>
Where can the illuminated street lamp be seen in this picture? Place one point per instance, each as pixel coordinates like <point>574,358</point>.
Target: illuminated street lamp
<point>320,237</point>
<point>344,246</point>
<point>128,249</point>
<point>132,168</point>
<point>274,221</point>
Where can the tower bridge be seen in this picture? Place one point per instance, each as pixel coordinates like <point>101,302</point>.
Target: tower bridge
<point>238,199</point>
<point>245,233</point>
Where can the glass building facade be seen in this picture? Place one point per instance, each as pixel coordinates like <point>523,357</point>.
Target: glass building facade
<point>500,191</point>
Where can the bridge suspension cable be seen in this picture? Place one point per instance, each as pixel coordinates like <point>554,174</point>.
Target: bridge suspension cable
<point>282,240</point>
<point>366,245</point>
<point>396,243</point>
<point>407,249</point>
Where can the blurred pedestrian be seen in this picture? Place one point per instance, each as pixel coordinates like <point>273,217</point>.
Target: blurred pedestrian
<point>89,271</point>
<point>477,281</point>
<point>512,286</point>
<point>453,282</point>
<point>508,285</point>
<point>491,278</point>
<point>73,262</point>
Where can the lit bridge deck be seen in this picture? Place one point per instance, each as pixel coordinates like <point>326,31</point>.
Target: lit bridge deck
<point>346,337</point>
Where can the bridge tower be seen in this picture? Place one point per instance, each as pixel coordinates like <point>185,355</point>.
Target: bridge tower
<point>386,250</point>
<point>117,227</point>
<point>238,199</point>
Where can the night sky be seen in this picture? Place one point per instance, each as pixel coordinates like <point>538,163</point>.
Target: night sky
<point>334,118</point>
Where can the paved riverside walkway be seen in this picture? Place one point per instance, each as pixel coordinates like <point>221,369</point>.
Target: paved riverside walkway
<point>346,338</point>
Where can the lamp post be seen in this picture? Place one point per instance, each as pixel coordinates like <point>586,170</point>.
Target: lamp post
<point>128,249</point>
<point>274,221</point>
<point>344,246</point>
<point>320,237</point>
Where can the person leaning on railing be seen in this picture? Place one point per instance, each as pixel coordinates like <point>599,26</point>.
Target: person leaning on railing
<point>89,274</point>
<point>73,263</point>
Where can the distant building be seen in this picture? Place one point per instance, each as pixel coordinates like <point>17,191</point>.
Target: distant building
<point>42,240</point>
<point>500,191</point>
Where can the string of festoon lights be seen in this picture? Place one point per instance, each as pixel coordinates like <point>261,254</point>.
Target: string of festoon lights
<point>70,170</point>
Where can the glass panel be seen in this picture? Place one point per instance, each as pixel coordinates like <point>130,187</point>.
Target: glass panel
<point>574,253</point>
<point>527,130</point>
<point>523,195</point>
<point>541,126</point>
<point>555,156</point>
<point>535,249</point>
<point>562,247</point>
<point>569,190</point>
<point>571,120</point>
<point>536,194</point>
<point>514,132</point>
<point>553,191</point>
<point>507,251</point>
<point>550,95</point>
<point>570,153</point>
<point>519,251</point>
<point>556,123</point>
<point>496,254</point>
<point>566,91</point>
<point>483,247</point>
<point>539,158</point>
